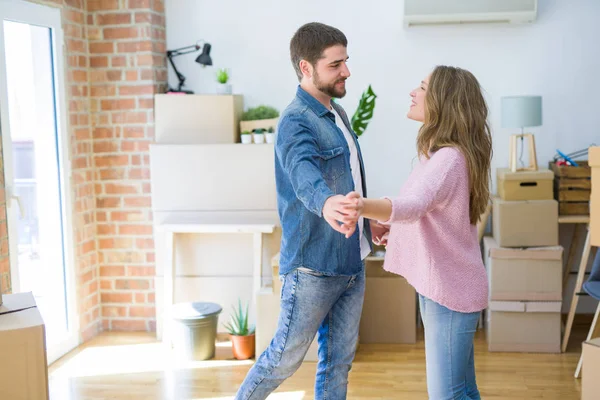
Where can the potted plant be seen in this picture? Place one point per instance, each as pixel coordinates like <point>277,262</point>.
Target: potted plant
<point>364,112</point>
<point>270,135</point>
<point>259,136</point>
<point>242,336</point>
<point>222,78</point>
<point>246,137</point>
<point>261,117</point>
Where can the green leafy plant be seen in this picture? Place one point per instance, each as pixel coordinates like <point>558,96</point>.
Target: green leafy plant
<point>238,326</point>
<point>271,130</point>
<point>363,114</point>
<point>245,132</point>
<point>260,112</point>
<point>259,131</point>
<point>222,75</point>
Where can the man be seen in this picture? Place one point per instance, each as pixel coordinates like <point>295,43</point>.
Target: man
<point>317,162</point>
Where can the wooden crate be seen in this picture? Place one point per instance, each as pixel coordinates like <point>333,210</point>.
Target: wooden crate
<point>572,188</point>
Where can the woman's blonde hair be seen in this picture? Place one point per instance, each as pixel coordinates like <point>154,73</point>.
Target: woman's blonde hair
<point>456,116</point>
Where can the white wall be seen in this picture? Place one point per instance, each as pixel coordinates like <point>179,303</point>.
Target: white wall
<point>557,57</point>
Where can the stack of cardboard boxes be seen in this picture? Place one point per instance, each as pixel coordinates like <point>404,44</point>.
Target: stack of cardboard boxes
<point>524,263</point>
<point>591,349</point>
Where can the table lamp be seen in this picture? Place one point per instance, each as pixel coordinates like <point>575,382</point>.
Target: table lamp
<point>522,112</point>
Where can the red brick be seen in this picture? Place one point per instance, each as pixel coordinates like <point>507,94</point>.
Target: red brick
<point>138,201</point>
<point>158,6</point>
<point>143,17</point>
<point>126,216</point>
<point>144,243</point>
<point>123,256</point>
<point>112,270</point>
<point>131,75</point>
<point>111,161</point>
<point>116,297</point>
<point>108,202</point>
<point>107,284</point>
<point>139,4</point>
<point>113,188</point>
<point>129,117</point>
<point>126,90</point>
<point>146,104</point>
<point>118,61</point>
<point>151,298</point>
<point>114,75</point>
<point>101,90</point>
<point>73,31</point>
<point>135,146</point>
<point>132,284</point>
<point>139,173</point>
<point>121,33</point>
<point>134,47</point>
<point>93,33</point>
<point>113,174</point>
<point>128,325</point>
<point>103,133</point>
<point>102,47</point>
<point>78,76</point>
<point>135,230</point>
<point>75,45</point>
<point>120,104</point>
<point>144,312</point>
<point>99,62</point>
<point>102,5</point>
<point>107,229</point>
<point>73,16</point>
<point>114,19</point>
<point>114,311</point>
<point>140,271</point>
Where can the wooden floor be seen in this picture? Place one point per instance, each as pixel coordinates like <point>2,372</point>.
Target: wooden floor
<point>135,366</point>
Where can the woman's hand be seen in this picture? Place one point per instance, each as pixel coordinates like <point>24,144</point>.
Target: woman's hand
<point>352,209</point>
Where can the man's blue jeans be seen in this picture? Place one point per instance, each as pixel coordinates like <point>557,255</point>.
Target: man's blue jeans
<point>311,303</point>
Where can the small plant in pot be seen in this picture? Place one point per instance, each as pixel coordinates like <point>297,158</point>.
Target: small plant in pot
<point>270,135</point>
<point>246,137</point>
<point>242,336</point>
<point>259,136</point>
<point>259,117</point>
<point>222,78</point>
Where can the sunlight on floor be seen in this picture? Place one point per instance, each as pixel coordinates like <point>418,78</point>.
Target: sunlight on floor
<point>136,358</point>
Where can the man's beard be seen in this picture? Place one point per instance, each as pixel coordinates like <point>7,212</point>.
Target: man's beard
<point>329,88</point>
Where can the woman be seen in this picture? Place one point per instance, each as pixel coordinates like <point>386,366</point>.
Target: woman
<point>432,225</point>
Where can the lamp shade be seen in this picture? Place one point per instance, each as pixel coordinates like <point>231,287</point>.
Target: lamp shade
<point>521,111</point>
<point>204,57</point>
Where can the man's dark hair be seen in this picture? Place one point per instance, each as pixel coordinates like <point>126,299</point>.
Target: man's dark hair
<point>309,42</point>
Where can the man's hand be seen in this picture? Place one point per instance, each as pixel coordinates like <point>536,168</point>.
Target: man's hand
<point>338,209</point>
<point>353,208</point>
<point>379,233</point>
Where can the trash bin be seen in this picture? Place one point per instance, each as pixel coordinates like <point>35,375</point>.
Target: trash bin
<point>195,330</point>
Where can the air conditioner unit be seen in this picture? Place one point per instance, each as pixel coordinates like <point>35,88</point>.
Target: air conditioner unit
<point>450,12</point>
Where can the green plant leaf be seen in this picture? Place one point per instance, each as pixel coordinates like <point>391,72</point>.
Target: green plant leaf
<point>364,112</point>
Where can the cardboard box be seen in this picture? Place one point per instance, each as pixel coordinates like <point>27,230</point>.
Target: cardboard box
<point>524,327</point>
<point>390,309</point>
<point>267,317</point>
<point>197,119</point>
<point>530,223</point>
<point>24,369</point>
<point>525,185</point>
<point>533,274</point>
<point>590,384</point>
<point>594,161</point>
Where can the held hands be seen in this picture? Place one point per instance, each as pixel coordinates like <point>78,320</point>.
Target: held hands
<point>342,212</point>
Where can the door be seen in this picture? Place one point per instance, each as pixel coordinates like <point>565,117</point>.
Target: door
<point>35,160</point>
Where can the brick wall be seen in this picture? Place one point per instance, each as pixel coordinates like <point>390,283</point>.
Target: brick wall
<point>127,47</point>
<point>115,63</point>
